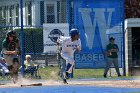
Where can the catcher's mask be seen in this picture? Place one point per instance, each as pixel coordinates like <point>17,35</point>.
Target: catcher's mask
<point>11,33</point>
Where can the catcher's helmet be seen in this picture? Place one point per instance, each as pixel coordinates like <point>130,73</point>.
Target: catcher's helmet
<point>74,32</point>
<point>11,33</point>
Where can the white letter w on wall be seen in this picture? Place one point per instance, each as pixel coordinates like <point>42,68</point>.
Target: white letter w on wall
<point>99,19</point>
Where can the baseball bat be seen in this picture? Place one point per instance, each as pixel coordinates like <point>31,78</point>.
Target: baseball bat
<point>36,84</point>
<point>2,84</point>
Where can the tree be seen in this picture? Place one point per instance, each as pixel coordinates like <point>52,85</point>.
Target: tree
<point>132,9</point>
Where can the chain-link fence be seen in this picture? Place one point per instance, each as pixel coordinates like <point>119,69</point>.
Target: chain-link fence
<point>27,18</point>
<point>38,24</point>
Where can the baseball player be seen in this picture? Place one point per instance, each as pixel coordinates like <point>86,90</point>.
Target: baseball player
<point>11,51</point>
<point>69,46</point>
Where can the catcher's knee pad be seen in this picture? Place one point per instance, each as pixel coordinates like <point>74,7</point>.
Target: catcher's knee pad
<point>15,60</point>
<point>10,68</point>
<point>15,65</point>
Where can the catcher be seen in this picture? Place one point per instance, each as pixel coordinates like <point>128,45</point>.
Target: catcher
<point>69,46</point>
<point>11,51</point>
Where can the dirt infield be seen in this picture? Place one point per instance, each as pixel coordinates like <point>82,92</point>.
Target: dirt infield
<point>111,83</point>
<point>125,83</point>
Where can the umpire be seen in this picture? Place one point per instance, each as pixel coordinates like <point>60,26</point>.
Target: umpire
<point>112,56</point>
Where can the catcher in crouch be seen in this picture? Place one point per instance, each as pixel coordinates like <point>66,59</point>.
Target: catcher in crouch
<point>11,51</point>
<point>69,45</point>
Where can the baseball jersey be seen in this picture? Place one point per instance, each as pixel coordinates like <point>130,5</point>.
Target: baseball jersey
<point>113,54</point>
<point>69,46</point>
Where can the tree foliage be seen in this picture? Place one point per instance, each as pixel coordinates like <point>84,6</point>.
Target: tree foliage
<point>132,8</point>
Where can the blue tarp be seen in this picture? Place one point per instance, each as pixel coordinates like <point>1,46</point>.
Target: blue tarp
<point>69,89</point>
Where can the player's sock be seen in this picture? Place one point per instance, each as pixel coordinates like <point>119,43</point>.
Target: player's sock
<point>119,75</point>
<point>67,75</point>
<point>105,76</point>
<point>65,81</point>
<point>68,67</point>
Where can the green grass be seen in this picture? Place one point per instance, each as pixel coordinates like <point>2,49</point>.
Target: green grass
<point>88,73</point>
<point>49,72</point>
<point>52,73</point>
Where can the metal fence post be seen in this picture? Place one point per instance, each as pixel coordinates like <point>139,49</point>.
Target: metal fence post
<point>21,38</point>
<point>46,59</point>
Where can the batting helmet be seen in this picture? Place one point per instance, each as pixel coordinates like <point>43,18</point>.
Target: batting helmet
<point>74,32</point>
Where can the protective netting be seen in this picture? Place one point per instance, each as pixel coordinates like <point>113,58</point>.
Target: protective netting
<point>35,14</point>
